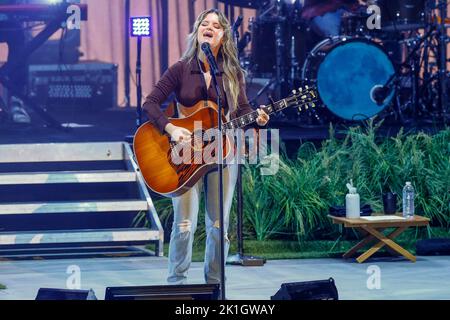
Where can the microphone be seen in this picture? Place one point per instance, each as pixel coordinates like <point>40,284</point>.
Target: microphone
<point>206,48</point>
<point>379,93</point>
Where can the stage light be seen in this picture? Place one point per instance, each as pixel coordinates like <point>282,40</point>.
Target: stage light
<point>141,26</point>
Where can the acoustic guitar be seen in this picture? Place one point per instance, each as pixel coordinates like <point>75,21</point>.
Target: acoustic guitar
<point>162,162</point>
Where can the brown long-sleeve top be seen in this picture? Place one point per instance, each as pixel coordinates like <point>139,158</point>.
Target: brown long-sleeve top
<point>186,80</point>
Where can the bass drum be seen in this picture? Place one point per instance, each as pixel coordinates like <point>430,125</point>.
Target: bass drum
<point>346,71</point>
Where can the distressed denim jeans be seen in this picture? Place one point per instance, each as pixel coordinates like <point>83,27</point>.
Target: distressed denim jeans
<point>186,209</point>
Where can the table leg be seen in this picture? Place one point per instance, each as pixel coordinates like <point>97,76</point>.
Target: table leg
<point>385,240</point>
<point>368,238</point>
<point>391,251</point>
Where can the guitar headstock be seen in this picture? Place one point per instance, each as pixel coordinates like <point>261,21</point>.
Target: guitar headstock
<point>304,97</point>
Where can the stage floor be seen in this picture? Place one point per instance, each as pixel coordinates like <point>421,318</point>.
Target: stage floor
<point>400,279</point>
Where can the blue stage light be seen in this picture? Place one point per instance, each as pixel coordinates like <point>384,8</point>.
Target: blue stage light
<point>141,26</point>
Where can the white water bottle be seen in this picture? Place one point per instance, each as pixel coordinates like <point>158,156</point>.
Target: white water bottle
<point>352,206</point>
<point>408,200</point>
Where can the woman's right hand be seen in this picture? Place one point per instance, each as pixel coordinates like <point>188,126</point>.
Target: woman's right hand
<point>178,134</point>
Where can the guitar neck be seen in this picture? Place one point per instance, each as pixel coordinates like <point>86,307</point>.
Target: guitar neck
<point>251,117</point>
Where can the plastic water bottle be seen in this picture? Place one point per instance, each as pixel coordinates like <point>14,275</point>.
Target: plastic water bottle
<point>408,200</point>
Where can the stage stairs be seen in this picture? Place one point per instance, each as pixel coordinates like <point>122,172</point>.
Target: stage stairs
<point>73,195</point>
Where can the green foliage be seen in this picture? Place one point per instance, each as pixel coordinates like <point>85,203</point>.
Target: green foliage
<point>260,211</point>
<point>304,188</point>
<point>285,249</point>
<point>294,203</point>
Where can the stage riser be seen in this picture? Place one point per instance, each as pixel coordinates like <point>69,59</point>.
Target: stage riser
<point>68,192</point>
<point>79,236</point>
<point>61,166</point>
<point>62,152</point>
<point>66,177</point>
<point>80,194</point>
<point>67,221</point>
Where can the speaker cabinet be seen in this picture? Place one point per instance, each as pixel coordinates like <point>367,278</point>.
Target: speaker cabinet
<point>309,290</point>
<point>169,292</point>
<point>65,294</point>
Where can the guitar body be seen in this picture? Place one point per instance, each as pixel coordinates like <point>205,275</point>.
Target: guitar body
<point>153,153</point>
<point>169,174</point>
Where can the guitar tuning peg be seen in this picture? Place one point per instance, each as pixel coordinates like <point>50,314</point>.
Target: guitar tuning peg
<point>300,89</point>
<point>299,109</point>
<point>306,87</point>
<point>312,105</point>
<point>294,91</point>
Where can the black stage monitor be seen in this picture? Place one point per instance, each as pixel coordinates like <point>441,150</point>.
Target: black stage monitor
<point>65,294</point>
<point>167,292</point>
<point>309,290</point>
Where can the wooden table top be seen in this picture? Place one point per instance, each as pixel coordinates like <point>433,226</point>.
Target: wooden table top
<point>415,221</point>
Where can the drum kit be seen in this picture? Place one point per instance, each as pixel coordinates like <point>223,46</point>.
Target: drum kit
<point>396,70</point>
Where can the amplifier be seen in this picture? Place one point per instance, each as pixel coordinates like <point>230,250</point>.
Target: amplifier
<point>86,84</point>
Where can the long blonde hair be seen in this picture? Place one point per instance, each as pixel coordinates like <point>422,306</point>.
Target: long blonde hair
<point>231,66</point>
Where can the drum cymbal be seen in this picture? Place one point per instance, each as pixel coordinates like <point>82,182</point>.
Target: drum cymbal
<point>253,4</point>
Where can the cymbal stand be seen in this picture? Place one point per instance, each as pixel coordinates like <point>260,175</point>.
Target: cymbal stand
<point>443,39</point>
<point>279,47</point>
<point>277,82</point>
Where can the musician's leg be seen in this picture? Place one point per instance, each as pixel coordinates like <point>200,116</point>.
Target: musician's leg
<point>212,223</point>
<point>185,209</point>
<point>329,24</point>
<point>14,35</point>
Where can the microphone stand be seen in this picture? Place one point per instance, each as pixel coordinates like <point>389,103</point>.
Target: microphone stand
<point>214,72</point>
<point>443,95</point>
<point>394,77</point>
<point>139,82</point>
<point>239,258</point>
<point>130,138</point>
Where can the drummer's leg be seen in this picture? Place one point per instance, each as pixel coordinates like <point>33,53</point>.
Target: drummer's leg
<point>13,34</point>
<point>329,24</point>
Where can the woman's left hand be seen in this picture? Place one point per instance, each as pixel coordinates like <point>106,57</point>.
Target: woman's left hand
<point>263,117</point>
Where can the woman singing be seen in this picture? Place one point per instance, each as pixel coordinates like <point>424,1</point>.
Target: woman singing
<point>190,80</point>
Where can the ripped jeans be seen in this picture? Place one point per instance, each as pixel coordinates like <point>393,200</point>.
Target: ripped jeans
<point>186,209</point>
